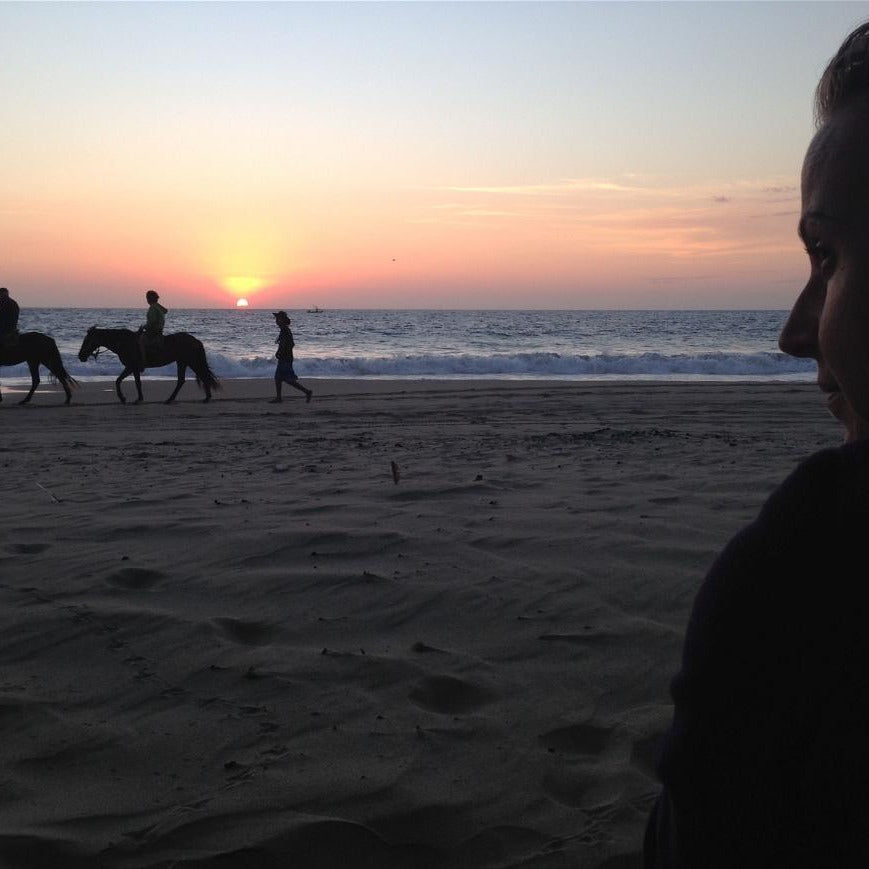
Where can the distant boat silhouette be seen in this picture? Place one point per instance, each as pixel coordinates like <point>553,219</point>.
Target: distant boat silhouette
<point>315,310</point>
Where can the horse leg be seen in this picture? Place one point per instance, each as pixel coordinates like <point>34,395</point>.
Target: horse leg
<point>65,384</point>
<point>137,376</point>
<point>205,380</point>
<point>34,380</point>
<point>54,364</point>
<point>121,376</point>
<point>182,371</point>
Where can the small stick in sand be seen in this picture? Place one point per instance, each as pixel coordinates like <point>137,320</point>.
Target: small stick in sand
<point>396,474</point>
<point>50,494</point>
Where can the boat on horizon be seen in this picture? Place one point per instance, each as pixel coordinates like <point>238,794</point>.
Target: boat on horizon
<point>315,310</point>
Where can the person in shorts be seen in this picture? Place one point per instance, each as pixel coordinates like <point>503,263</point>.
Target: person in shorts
<point>284,372</point>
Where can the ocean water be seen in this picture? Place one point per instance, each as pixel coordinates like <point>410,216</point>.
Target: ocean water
<point>568,345</point>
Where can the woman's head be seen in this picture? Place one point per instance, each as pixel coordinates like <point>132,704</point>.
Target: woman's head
<point>151,296</point>
<point>846,78</point>
<point>830,319</point>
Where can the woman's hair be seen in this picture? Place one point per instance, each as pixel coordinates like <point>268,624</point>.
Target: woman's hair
<point>846,77</point>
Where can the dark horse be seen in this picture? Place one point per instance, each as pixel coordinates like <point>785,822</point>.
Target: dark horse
<point>36,349</point>
<point>181,348</point>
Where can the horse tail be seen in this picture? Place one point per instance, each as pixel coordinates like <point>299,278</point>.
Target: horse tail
<point>55,365</point>
<point>204,375</point>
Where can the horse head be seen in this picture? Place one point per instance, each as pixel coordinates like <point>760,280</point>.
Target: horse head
<point>90,346</point>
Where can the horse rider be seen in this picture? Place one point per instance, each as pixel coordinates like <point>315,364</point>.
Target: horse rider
<point>8,319</point>
<point>151,334</point>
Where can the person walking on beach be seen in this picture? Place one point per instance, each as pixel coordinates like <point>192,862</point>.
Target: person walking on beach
<point>284,371</point>
<point>8,319</point>
<point>151,334</point>
<point>766,762</point>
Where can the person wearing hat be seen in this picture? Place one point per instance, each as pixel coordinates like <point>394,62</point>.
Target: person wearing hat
<point>284,372</point>
<point>151,334</point>
<point>8,319</point>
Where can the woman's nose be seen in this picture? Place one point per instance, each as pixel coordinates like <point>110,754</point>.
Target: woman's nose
<point>799,335</point>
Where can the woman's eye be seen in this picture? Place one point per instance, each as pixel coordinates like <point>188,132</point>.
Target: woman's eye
<point>821,257</point>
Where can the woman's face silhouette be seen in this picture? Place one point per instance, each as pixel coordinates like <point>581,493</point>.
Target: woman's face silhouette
<point>830,319</point>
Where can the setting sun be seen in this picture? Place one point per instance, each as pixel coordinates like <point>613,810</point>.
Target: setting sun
<point>241,303</point>
<point>362,206</point>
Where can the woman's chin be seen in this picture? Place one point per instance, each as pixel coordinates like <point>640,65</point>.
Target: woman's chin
<point>856,428</point>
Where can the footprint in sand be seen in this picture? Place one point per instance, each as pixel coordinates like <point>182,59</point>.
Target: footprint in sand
<point>135,577</point>
<point>423,648</point>
<point>448,695</point>
<point>589,783</point>
<point>245,633</point>
<point>594,788</point>
<point>26,548</point>
<point>576,739</point>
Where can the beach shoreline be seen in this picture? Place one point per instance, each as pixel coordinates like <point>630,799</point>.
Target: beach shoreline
<point>412,623</point>
<point>102,390</point>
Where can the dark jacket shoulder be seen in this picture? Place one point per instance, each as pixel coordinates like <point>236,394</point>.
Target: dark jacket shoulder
<point>766,759</point>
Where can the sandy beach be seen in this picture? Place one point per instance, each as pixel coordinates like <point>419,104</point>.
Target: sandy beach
<point>231,636</point>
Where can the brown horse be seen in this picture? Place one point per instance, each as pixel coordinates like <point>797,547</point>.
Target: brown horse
<point>181,348</point>
<point>36,349</point>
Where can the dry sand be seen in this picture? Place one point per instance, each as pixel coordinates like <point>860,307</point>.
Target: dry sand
<point>229,639</point>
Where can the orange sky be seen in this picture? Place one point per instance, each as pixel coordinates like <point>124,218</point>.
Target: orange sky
<point>333,154</point>
<point>576,243</point>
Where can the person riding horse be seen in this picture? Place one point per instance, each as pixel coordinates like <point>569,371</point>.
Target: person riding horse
<point>8,319</point>
<point>151,334</point>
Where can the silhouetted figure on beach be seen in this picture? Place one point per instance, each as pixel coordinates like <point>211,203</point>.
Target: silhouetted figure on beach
<point>284,372</point>
<point>35,350</point>
<point>9,312</point>
<point>766,762</point>
<point>185,350</point>
<point>151,337</point>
